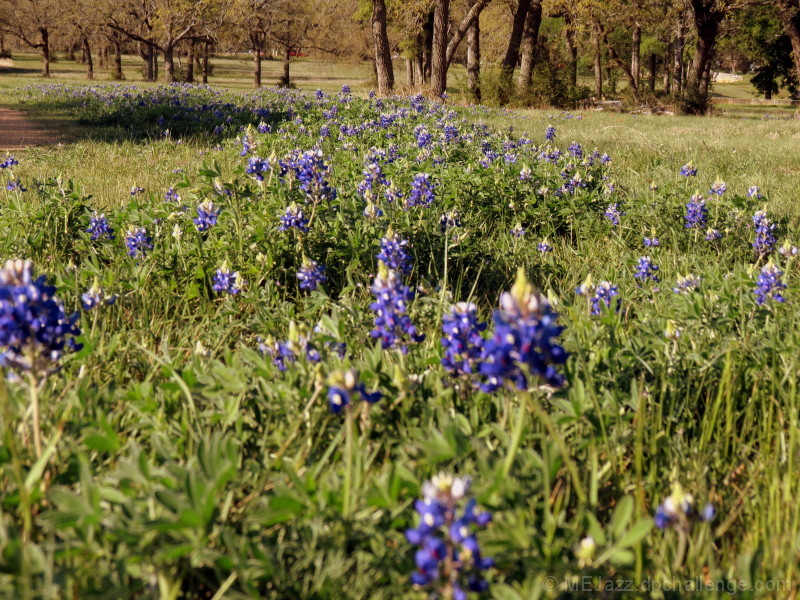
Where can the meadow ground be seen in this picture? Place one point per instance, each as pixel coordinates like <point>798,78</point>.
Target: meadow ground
<point>189,446</point>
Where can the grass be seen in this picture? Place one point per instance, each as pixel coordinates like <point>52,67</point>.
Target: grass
<point>182,470</point>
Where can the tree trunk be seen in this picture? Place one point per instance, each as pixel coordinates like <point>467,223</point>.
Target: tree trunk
<point>169,63</point>
<point>419,69</point>
<point>474,60</point>
<point>383,53</point>
<point>205,69</point>
<point>509,62</point>
<point>286,58</point>
<point>87,51</point>
<point>653,65</point>
<point>441,18</point>
<point>612,81</point>
<point>190,62</point>
<point>117,62</point>
<point>530,41</point>
<point>680,42</point>
<point>598,62</point>
<point>460,31</point>
<point>790,16</point>
<point>636,48</point>
<point>45,35</point>
<point>707,18</point>
<point>154,55</point>
<point>572,49</point>
<point>612,53</point>
<point>410,72</point>
<point>256,59</point>
<point>667,81</point>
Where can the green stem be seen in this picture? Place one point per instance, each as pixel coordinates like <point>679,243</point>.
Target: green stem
<point>33,386</point>
<point>348,473</point>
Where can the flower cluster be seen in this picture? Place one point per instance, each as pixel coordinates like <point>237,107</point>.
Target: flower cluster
<point>226,281</point>
<point>689,170</point>
<point>601,295</point>
<point>769,285</point>
<point>646,270</point>
<point>394,254</point>
<point>686,284</point>
<point>294,218</point>
<point>448,560</point>
<point>172,196</point>
<point>256,167</point>
<point>718,188</point>
<point>449,220</point>
<point>138,242</point>
<point>207,214</point>
<point>421,191</point>
<point>391,301</point>
<point>95,296</point>
<point>344,387</point>
<point>712,235</point>
<point>34,329</point>
<point>99,227</point>
<point>311,274</point>
<point>696,212</point>
<point>678,510</point>
<point>311,170</point>
<point>764,243</point>
<point>462,341</point>
<point>524,342</point>
<point>8,162</point>
<point>613,213</point>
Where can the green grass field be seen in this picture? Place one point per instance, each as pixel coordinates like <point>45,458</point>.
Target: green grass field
<point>193,448</point>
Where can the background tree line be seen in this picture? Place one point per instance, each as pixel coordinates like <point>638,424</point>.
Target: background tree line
<point>522,51</point>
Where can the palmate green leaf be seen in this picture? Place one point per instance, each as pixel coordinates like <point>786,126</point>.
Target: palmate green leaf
<point>636,533</point>
<point>621,516</point>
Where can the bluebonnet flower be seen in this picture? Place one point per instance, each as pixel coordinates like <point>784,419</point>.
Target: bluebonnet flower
<point>651,241</point>
<point>754,192</point>
<point>226,281</point>
<point>613,213</point>
<point>463,342</point>
<point>525,173</point>
<point>543,247</point>
<point>788,250</point>
<point>34,329</point>
<point>95,296</point>
<point>601,295</point>
<point>423,136</point>
<point>372,211</point>
<point>646,270</point>
<point>769,285</point>
<point>311,170</point>
<point>449,220</point>
<point>138,242</point>
<point>448,559</point>
<point>15,185</point>
<point>8,162</point>
<point>136,190</point>
<point>605,159</point>
<point>257,166</point>
<point>373,176</point>
<point>392,323</point>
<point>764,243</point>
<point>218,130</point>
<point>207,214</point>
<point>311,274</point>
<point>392,194</point>
<point>678,510</point>
<point>319,94</point>
<point>172,196</point>
<point>712,235</point>
<point>696,213</point>
<point>421,191</point>
<point>346,89</point>
<point>294,218</point>
<point>344,387</point>
<point>686,284</point>
<point>689,170</point>
<point>518,230</point>
<point>99,227</point>
<point>575,150</point>
<point>263,127</point>
<point>394,254</point>
<point>524,342</point>
<point>550,133</point>
<point>278,351</point>
<point>718,188</point>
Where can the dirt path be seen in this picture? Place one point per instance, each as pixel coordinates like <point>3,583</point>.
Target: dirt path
<point>17,131</point>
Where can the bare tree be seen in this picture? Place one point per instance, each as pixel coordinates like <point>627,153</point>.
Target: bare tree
<point>32,22</point>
